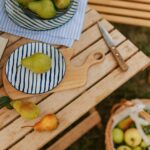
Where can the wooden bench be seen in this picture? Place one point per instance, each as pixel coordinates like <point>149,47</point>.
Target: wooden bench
<point>132,12</point>
<point>72,105</point>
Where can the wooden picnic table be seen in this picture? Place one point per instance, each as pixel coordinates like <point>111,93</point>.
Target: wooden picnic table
<point>70,105</point>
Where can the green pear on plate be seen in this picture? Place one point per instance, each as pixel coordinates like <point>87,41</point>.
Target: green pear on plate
<point>37,63</point>
<point>43,8</point>
<point>61,4</point>
<point>24,2</point>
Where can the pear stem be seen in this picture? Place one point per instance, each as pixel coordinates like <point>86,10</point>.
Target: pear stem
<point>26,126</point>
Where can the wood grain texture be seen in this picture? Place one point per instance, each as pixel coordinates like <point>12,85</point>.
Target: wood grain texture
<point>3,43</point>
<point>70,114</point>
<point>133,12</point>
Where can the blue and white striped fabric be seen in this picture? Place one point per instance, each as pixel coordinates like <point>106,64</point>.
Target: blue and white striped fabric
<point>28,82</point>
<point>64,35</point>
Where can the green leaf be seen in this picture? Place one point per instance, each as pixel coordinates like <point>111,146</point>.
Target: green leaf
<point>5,102</point>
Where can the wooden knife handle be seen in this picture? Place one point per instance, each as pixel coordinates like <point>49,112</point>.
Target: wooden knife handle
<point>119,59</point>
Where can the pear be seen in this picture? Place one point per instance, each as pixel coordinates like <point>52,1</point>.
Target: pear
<point>43,8</point>
<point>24,2</point>
<point>61,4</point>
<point>27,110</point>
<point>37,63</point>
<point>48,123</point>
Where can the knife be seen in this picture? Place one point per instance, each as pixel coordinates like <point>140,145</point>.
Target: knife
<point>110,43</point>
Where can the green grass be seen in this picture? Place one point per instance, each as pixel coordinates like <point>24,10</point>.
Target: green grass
<point>137,87</point>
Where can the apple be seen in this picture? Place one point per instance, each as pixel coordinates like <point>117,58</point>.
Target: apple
<point>118,135</point>
<point>124,147</point>
<point>143,144</point>
<point>137,148</point>
<point>132,137</point>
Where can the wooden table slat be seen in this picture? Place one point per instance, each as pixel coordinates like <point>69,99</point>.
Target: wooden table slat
<point>121,11</point>
<point>122,4</point>
<point>127,20</point>
<point>133,12</point>
<point>142,1</point>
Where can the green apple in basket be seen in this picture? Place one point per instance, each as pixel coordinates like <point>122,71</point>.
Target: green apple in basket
<point>43,8</point>
<point>118,135</point>
<point>132,137</point>
<point>124,147</point>
<point>137,148</point>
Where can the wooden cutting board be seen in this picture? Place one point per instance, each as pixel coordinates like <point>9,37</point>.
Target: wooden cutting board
<point>74,77</point>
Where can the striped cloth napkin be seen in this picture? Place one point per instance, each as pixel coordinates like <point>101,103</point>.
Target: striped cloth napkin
<point>64,35</point>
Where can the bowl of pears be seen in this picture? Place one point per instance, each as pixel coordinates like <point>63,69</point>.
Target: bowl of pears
<point>41,14</point>
<point>44,9</point>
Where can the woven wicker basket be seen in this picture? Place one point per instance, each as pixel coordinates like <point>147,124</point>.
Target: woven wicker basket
<point>116,110</point>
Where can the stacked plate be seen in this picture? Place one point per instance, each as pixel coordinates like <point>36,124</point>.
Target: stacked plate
<point>16,13</point>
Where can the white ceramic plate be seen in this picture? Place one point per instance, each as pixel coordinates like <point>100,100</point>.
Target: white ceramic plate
<point>19,17</point>
<point>28,82</point>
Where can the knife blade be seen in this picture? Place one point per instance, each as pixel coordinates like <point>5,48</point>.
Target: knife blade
<point>112,46</point>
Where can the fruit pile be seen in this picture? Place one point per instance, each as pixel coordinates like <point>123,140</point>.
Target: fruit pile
<point>126,136</point>
<point>45,9</point>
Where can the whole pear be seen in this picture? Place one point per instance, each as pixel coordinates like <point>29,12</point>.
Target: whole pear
<point>61,4</point>
<point>27,110</point>
<point>37,63</point>
<point>48,123</point>
<point>43,8</point>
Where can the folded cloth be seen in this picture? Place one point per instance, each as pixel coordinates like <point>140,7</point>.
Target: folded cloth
<point>64,35</point>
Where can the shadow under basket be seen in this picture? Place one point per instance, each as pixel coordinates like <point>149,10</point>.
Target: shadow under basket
<point>119,112</point>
